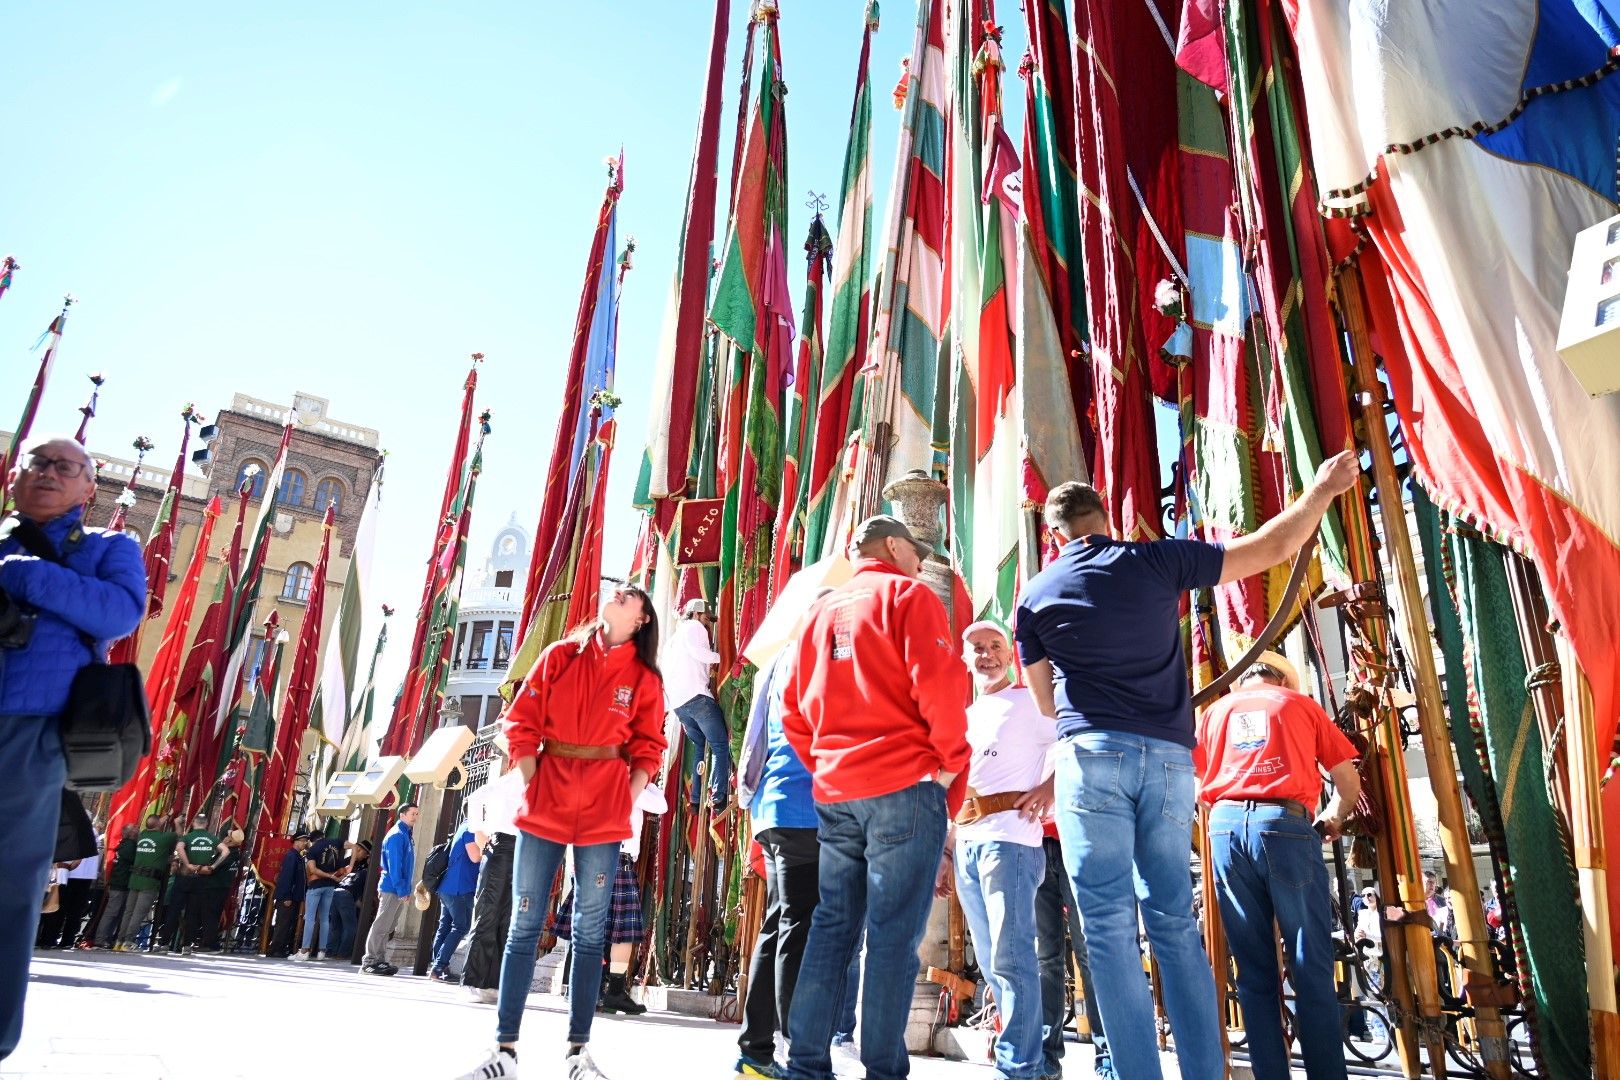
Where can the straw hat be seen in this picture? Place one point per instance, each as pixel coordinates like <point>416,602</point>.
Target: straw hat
<point>1279,663</point>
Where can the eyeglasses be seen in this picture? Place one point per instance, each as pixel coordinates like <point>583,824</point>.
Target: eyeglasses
<point>66,468</point>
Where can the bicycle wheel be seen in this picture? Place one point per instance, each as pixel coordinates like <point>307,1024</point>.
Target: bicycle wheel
<point>1368,1035</point>
<point>1520,1052</point>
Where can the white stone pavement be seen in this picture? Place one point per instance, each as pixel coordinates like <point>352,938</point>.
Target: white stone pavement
<point>135,1017</point>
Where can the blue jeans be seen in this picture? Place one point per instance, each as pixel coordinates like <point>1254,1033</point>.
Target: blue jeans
<point>878,860</point>
<point>1126,802</point>
<point>344,922</point>
<point>705,725</point>
<point>455,917</point>
<point>1268,866</point>
<point>317,916</point>
<point>996,882</point>
<point>30,802</point>
<point>532,874</point>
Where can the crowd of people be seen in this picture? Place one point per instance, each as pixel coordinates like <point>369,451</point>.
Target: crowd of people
<point>1058,805</point>
<point>866,770</point>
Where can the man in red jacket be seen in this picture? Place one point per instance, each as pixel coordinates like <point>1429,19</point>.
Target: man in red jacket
<point>875,705</point>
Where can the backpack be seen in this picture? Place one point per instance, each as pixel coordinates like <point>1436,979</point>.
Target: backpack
<point>437,865</point>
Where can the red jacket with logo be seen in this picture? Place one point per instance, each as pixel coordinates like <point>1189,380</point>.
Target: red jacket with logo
<point>590,695</point>
<point>877,698</point>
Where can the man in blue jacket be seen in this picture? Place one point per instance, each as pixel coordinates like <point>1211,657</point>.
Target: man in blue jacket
<point>395,868</point>
<point>291,885</point>
<point>53,609</point>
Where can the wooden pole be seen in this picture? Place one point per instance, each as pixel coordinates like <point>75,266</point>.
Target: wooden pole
<point>1214,932</point>
<point>1545,681</point>
<point>1410,966</point>
<point>1586,830</point>
<point>1473,934</point>
<point>700,871</point>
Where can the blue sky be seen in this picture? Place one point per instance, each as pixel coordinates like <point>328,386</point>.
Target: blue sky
<point>349,199</point>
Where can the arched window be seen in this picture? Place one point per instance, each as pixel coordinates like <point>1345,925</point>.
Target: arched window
<point>300,575</point>
<point>293,483</point>
<point>329,492</point>
<point>258,477</point>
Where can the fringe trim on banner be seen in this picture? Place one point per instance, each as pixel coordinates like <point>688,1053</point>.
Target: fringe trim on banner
<point>1470,131</point>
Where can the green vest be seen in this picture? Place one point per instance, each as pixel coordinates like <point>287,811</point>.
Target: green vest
<point>152,852</point>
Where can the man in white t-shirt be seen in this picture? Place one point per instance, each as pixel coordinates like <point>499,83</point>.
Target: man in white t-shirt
<point>686,665</point>
<point>997,850</point>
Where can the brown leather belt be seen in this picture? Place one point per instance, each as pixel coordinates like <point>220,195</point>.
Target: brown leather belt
<point>581,750</point>
<point>1295,808</point>
<point>982,806</point>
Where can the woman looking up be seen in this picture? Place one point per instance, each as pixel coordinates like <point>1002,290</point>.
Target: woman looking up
<point>586,730</point>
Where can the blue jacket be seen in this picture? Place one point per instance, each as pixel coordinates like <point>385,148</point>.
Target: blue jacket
<point>99,593</point>
<point>291,882</point>
<point>398,862</point>
<point>783,799</point>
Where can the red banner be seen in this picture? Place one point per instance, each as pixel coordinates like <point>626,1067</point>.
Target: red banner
<point>700,532</point>
<point>267,859</point>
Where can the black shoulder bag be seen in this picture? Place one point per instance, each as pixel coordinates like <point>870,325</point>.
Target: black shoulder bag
<point>106,726</point>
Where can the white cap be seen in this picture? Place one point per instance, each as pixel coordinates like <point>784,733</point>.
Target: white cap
<point>986,624</point>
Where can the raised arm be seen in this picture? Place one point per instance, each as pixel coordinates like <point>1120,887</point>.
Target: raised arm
<point>1286,533</point>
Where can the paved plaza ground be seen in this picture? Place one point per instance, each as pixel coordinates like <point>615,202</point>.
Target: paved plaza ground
<point>131,1016</point>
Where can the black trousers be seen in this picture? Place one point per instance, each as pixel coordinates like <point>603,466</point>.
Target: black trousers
<point>492,914</point>
<point>201,920</point>
<point>61,927</point>
<point>286,923</point>
<point>792,863</point>
<point>1055,912</point>
<point>184,912</point>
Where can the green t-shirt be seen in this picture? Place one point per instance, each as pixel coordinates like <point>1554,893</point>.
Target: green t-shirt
<point>153,848</point>
<point>202,847</point>
<point>224,875</point>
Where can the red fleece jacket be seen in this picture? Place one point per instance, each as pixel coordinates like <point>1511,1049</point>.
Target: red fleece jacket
<point>877,698</point>
<point>590,695</point>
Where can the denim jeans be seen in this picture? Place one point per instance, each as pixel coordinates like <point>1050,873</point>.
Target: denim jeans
<point>30,802</point>
<point>1125,803</point>
<point>705,725</point>
<point>344,921</point>
<point>1055,913</point>
<point>1268,866</point>
<point>532,874</point>
<point>455,917</point>
<point>317,916</point>
<point>996,882</point>
<point>878,859</point>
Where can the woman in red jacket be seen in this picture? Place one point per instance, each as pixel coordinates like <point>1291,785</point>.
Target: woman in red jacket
<point>587,731</point>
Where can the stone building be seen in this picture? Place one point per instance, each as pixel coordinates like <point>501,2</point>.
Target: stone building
<point>486,630</point>
<point>328,462</point>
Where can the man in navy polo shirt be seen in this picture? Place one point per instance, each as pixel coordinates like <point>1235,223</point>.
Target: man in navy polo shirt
<point>1099,634</point>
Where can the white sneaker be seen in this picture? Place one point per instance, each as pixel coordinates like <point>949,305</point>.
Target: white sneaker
<point>301,955</point>
<point>581,1067</point>
<point>484,995</point>
<point>500,1065</point>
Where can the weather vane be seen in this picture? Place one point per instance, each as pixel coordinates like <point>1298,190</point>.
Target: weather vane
<point>817,203</point>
